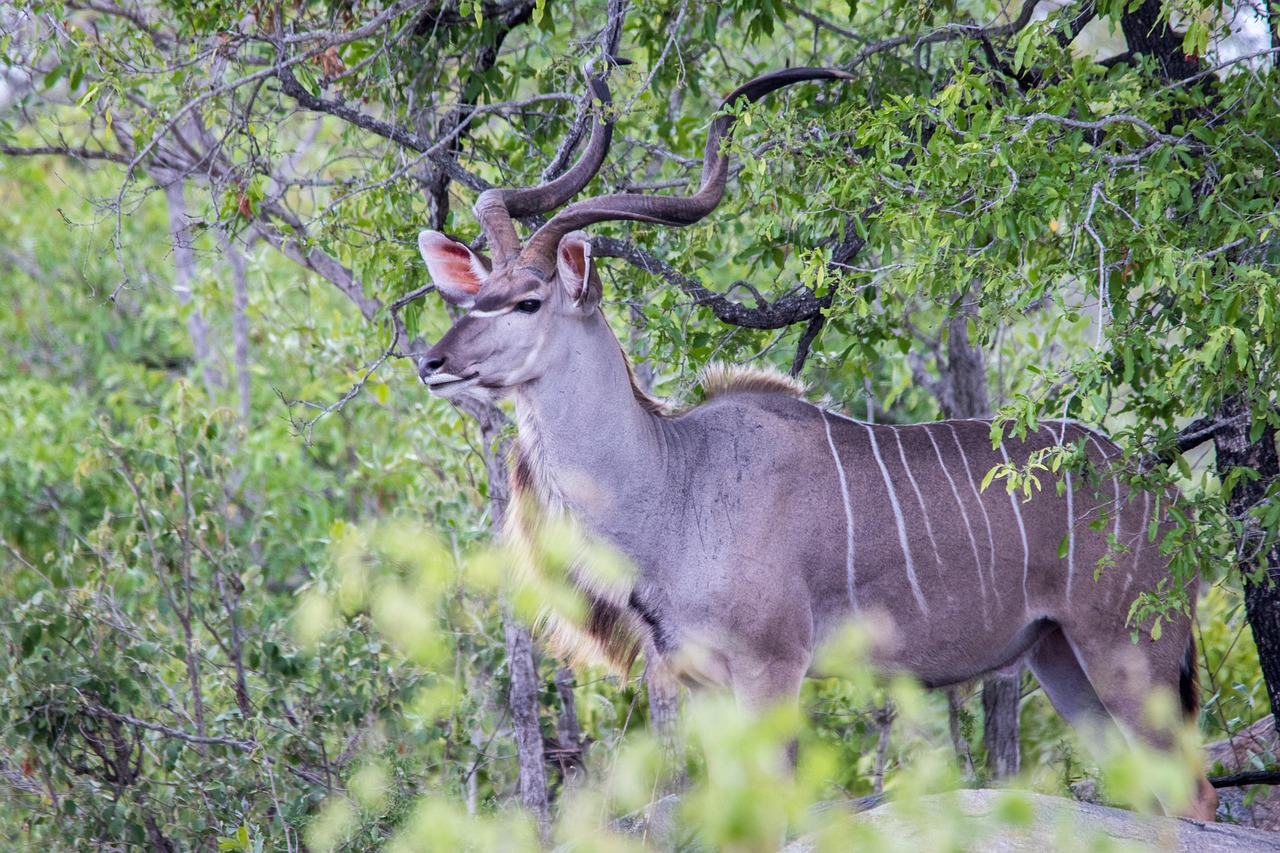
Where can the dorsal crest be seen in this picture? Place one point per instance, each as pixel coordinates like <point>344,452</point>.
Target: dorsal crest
<point>719,378</point>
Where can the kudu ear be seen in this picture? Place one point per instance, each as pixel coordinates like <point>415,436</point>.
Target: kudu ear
<point>457,272</point>
<point>577,271</point>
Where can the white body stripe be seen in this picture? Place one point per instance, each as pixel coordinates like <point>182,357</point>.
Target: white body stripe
<point>924,510</point>
<point>986,519</point>
<point>1142,540</point>
<point>1022,531</point>
<point>964,514</point>
<point>902,524</point>
<point>848,513</point>
<point>1115,482</point>
<point>1071,535</point>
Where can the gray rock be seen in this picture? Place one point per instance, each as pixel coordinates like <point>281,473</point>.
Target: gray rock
<point>1250,749</point>
<point>993,821</point>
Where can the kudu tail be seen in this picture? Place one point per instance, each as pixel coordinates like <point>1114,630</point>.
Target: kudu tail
<point>1189,681</point>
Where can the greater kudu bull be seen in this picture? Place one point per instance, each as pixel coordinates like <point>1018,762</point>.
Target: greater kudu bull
<point>759,523</point>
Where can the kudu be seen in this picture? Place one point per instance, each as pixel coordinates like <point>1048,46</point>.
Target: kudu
<point>758,524</point>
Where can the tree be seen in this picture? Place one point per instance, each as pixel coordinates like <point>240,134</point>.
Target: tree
<point>1115,216</point>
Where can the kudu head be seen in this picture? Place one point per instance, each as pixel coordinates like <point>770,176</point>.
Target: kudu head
<point>525,306</point>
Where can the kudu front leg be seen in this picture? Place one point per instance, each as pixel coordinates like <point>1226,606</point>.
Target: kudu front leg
<point>763,684</point>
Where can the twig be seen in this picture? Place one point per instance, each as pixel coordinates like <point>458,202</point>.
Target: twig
<point>98,712</point>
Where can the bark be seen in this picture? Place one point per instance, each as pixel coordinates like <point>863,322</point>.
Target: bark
<point>966,374</point>
<point>523,701</point>
<point>1146,34</point>
<point>184,262</point>
<point>964,761</point>
<point>156,838</point>
<point>1261,569</point>
<point>664,715</point>
<point>884,721</point>
<point>239,324</point>
<point>521,661</point>
<point>571,751</point>
<point>1001,712</point>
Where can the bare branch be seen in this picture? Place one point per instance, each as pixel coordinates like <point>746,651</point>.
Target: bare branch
<point>63,151</point>
<point>795,307</point>
<point>99,712</point>
<point>133,16</point>
<point>291,87</point>
<point>1100,124</point>
<point>610,38</point>
<point>823,23</point>
<point>949,32</point>
<point>1247,777</point>
<point>1191,436</point>
<point>807,338</point>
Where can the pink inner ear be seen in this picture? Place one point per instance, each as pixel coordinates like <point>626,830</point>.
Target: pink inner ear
<point>573,260</point>
<point>452,266</point>
<point>455,265</point>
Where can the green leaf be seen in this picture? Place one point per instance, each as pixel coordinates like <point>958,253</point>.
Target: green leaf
<point>307,78</point>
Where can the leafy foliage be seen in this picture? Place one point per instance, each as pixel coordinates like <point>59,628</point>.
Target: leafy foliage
<point>1105,232</point>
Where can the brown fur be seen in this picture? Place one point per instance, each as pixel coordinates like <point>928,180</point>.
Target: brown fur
<point>652,405</point>
<point>1189,681</point>
<point>610,634</point>
<point>718,379</point>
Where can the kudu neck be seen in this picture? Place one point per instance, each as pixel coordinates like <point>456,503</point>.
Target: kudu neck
<point>582,421</point>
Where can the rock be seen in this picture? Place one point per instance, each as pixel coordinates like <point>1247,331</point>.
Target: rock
<point>994,821</point>
<point>1246,750</point>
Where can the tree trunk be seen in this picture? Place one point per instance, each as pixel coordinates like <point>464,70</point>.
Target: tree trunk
<point>523,701</point>
<point>1001,714</point>
<point>239,323</point>
<point>883,717</point>
<point>1261,587</point>
<point>184,263</point>
<point>664,717</point>
<point>521,661</point>
<point>572,757</point>
<point>964,760</point>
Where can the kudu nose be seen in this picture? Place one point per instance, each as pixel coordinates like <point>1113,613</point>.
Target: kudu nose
<point>429,365</point>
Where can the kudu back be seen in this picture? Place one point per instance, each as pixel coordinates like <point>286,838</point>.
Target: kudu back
<point>759,524</point>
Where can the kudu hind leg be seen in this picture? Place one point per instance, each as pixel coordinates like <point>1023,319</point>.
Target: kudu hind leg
<point>1055,665</point>
<point>1124,678</point>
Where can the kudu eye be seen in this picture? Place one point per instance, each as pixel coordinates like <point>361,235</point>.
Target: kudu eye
<point>528,306</point>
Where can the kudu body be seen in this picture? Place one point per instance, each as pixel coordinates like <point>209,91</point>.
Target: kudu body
<point>758,524</point>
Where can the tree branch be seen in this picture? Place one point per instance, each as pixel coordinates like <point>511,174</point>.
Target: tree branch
<point>98,712</point>
<point>1247,777</point>
<point>807,338</point>
<point>290,86</point>
<point>64,151</point>
<point>795,307</point>
<point>1192,435</point>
